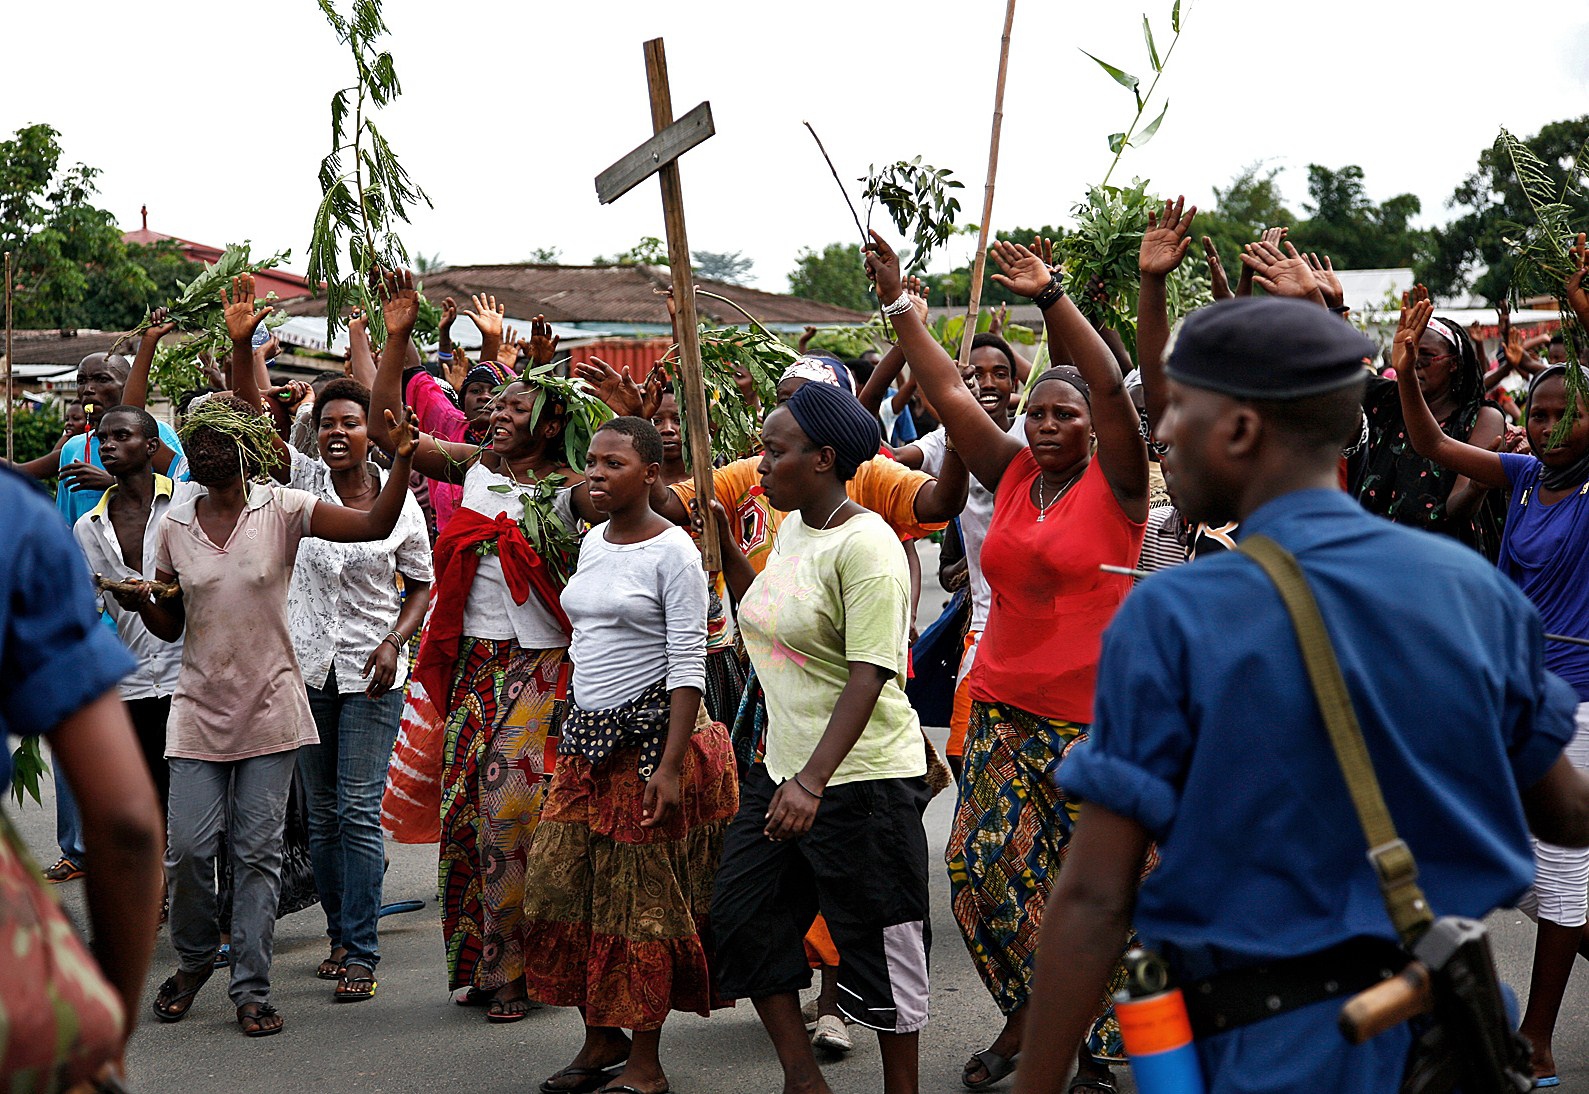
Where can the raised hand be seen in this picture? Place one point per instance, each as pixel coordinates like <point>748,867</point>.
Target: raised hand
<point>159,325</point>
<point>1280,274</point>
<point>449,315</point>
<point>651,391</point>
<point>404,433</point>
<point>1022,271</point>
<point>1415,312</point>
<point>508,351</point>
<point>399,303</point>
<point>1165,242</point>
<point>1324,273</point>
<point>1045,250</point>
<point>612,387</point>
<point>242,313</point>
<point>1216,271</point>
<point>458,368</point>
<point>1514,349</point>
<point>1577,290</point>
<point>882,266</point>
<point>543,343</point>
<point>486,315</point>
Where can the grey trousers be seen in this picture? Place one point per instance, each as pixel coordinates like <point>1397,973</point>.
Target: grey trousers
<point>252,794</point>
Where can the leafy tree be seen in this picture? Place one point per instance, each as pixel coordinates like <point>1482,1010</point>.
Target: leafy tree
<point>63,243</point>
<point>1345,223</point>
<point>1242,209</point>
<point>545,256</point>
<point>954,287</point>
<point>117,301</point>
<point>730,266</point>
<point>1471,251</point>
<point>650,251</point>
<point>426,264</point>
<point>834,275</point>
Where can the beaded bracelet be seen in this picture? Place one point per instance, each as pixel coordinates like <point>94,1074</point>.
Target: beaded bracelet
<point>900,306</point>
<point>1050,294</point>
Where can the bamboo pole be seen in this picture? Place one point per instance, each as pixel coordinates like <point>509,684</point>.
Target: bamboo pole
<point>11,401</point>
<point>979,264</point>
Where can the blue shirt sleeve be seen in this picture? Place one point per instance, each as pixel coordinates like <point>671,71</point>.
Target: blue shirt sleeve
<point>1137,751</point>
<point>179,463</point>
<point>54,656</point>
<point>1517,467</point>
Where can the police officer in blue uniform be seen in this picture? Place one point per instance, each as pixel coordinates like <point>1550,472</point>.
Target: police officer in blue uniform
<point>1208,739</point>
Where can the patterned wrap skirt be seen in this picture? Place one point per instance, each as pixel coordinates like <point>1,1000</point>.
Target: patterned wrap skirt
<point>502,702</point>
<point>1012,826</point>
<point>617,913</point>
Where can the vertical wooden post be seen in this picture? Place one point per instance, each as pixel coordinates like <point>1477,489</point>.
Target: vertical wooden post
<point>979,264</point>
<point>695,417</point>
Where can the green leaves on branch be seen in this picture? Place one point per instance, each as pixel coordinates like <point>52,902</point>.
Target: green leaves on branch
<point>27,770</point>
<point>918,200</point>
<point>1133,137</point>
<point>1541,248</point>
<point>735,425</point>
<point>364,190</point>
<point>553,540</point>
<point>197,310</point>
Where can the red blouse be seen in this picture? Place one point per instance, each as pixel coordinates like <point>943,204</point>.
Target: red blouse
<point>1051,603</point>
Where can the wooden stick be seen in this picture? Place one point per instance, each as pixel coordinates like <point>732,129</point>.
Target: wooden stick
<point>11,401</point>
<point>695,418</point>
<point>979,264</point>
<point>865,239</point>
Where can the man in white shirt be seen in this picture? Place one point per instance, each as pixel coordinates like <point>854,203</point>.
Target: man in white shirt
<point>117,537</point>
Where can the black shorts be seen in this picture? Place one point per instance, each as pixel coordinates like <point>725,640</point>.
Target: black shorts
<point>863,865</point>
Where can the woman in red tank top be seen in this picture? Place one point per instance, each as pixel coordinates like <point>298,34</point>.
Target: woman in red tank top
<point>1060,513</point>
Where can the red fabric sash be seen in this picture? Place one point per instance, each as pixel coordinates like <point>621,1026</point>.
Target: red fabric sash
<point>456,563</point>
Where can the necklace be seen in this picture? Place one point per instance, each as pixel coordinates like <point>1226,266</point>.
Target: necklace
<point>1044,506</point>
<point>835,513</point>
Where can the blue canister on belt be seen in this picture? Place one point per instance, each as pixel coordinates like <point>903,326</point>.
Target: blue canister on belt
<point>1155,1028</point>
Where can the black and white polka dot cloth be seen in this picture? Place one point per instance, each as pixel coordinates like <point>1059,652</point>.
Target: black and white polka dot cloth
<point>641,722</point>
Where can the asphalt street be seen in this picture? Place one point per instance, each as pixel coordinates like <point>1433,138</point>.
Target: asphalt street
<point>410,1038</point>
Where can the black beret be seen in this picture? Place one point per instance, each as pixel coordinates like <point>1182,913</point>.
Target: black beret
<point>1268,348</point>
<point>833,418</point>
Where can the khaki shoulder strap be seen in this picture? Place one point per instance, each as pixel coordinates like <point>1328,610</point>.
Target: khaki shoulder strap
<point>1392,859</point>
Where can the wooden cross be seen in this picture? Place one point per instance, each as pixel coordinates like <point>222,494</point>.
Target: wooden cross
<point>659,156</point>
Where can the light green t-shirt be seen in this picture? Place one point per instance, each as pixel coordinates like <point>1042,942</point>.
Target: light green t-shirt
<point>824,599</point>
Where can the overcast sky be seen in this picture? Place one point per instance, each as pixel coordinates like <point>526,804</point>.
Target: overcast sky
<point>216,115</point>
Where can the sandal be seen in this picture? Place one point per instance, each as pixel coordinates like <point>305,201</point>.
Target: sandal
<point>996,1066</point>
<point>355,989</point>
<point>629,1090</point>
<point>223,956</point>
<point>331,968</point>
<point>172,1004</point>
<point>251,1017</point>
<point>1103,1084</point>
<point>585,1079</point>
<point>503,1011</point>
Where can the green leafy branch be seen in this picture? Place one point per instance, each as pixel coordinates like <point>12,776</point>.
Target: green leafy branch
<point>1131,138</point>
<point>27,771</point>
<point>918,200</point>
<point>1542,248</point>
<point>735,425</point>
<point>361,202</point>
<point>553,540</point>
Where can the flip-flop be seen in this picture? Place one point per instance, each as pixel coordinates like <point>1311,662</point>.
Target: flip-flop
<point>223,956</point>
<point>995,1065</point>
<point>1092,1082</point>
<point>331,968</point>
<point>502,1017</point>
<point>589,1078</point>
<point>629,1090</point>
<point>261,1011</point>
<point>1547,1081</point>
<point>172,996</point>
<point>349,989</point>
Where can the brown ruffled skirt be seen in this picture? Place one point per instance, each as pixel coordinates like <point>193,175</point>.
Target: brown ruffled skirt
<point>618,913</point>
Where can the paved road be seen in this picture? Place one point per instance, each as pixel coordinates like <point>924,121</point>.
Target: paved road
<point>410,1038</point>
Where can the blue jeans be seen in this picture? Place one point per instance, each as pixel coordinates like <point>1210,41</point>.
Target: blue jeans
<point>344,777</point>
<point>68,822</point>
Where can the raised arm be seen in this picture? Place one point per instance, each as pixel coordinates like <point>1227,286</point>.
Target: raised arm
<point>881,379</point>
<point>1428,439</point>
<point>1578,280</point>
<point>361,356</point>
<point>987,449</point>
<point>445,461</point>
<point>243,316</point>
<point>1122,453</point>
<point>488,318</point>
<point>136,391</point>
<point>342,524</point>
<point>1164,247</point>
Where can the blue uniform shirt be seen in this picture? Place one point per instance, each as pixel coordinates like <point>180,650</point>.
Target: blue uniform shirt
<point>1207,733</point>
<point>55,658</point>
<point>74,503</point>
